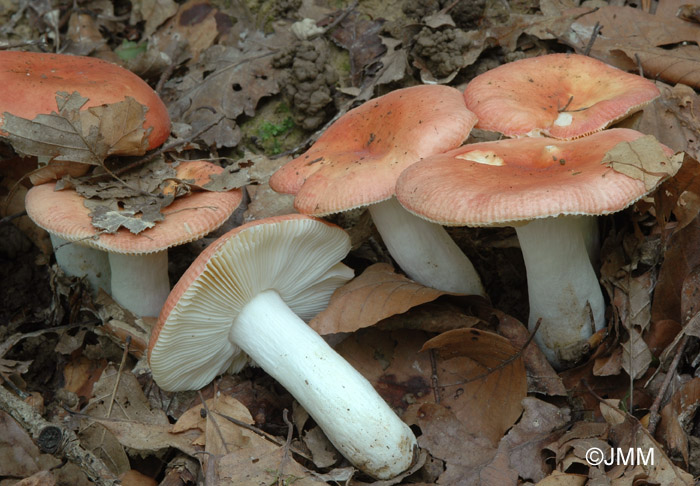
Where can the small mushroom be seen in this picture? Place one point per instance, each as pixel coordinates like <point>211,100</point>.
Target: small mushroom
<point>357,160</point>
<point>138,262</point>
<point>247,293</point>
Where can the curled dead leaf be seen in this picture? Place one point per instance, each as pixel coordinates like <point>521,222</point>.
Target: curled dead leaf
<point>644,159</point>
<point>376,294</point>
<point>85,136</point>
<point>491,378</point>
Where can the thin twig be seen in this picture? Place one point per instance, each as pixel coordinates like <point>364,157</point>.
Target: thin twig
<point>640,68</point>
<point>434,377</point>
<point>12,217</point>
<point>263,434</point>
<point>589,46</point>
<point>339,19</point>
<point>213,421</point>
<point>654,415</point>
<point>116,384</point>
<point>571,98</point>
<point>287,444</point>
<point>165,148</point>
<point>72,450</point>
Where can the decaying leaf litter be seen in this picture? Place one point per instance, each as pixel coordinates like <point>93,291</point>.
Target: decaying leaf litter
<point>249,84</point>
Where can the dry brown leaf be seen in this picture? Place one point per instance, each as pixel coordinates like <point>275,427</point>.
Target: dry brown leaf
<point>192,30</point>
<point>491,379</point>
<point>227,82</point>
<point>360,36</point>
<point>672,118</point>
<point>223,436</point>
<point>376,294</point>
<point>538,426</point>
<point>677,416</point>
<point>322,451</point>
<point>105,446</point>
<point>488,403</point>
<point>558,478</point>
<point>85,36</point>
<point>661,334</point>
<point>631,434</point>
<point>470,460</point>
<point>682,255</point>
<point>150,437</point>
<point>130,402</point>
<point>263,463</point>
<point>393,363</point>
<point>19,455</point>
<point>135,478</point>
<point>680,195</point>
<point>42,478</point>
<point>437,316</point>
<point>636,357</point>
<point>630,35</point>
<point>447,438</point>
<point>643,159</point>
<point>616,386</point>
<point>690,295</point>
<point>80,375</point>
<point>86,136</point>
<point>541,377</point>
<point>572,445</point>
<point>609,365</point>
<point>154,12</point>
<point>130,407</point>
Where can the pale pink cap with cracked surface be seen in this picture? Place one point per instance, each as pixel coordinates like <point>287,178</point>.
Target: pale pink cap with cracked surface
<point>357,160</point>
<point>524,98</point>
<point>512,180</point>
<point>188,218</point>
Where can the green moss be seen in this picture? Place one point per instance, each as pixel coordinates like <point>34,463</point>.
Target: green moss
<point>272,129</point>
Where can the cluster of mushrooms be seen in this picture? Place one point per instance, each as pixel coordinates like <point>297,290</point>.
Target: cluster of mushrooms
<point>246,297</point>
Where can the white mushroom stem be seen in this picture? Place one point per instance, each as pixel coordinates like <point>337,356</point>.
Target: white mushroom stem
<point>77,260</point>
<point>424,250</point>
<point>140,283</point>
<point>342,402</point>
<point>563,288</point>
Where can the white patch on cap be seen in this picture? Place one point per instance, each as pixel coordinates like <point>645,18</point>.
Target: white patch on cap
<point>564,120</point>
<point>482,157</point>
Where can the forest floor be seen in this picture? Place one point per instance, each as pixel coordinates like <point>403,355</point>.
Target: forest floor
<point>250,85</point>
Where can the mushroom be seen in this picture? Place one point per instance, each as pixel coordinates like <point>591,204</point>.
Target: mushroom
<point>248,293</point>
<point>560,95</point>
<point>138,262</point>
<point>544,188</point>
<point>36,78</point>
<point>356,162</point>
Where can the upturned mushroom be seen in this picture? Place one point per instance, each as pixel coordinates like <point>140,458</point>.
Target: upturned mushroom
<point>544,188</point>
<point>248,293</point>
<point>558,95</point>
<point>357,160</point>
<point>138,263</point>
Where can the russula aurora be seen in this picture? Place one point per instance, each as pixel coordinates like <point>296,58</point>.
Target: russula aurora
<point>248,293</point>
<point>138,262</point>
<point>542,187</point>
<point>559,95</point>
<point>37,78</point>
<point>356,162</point>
